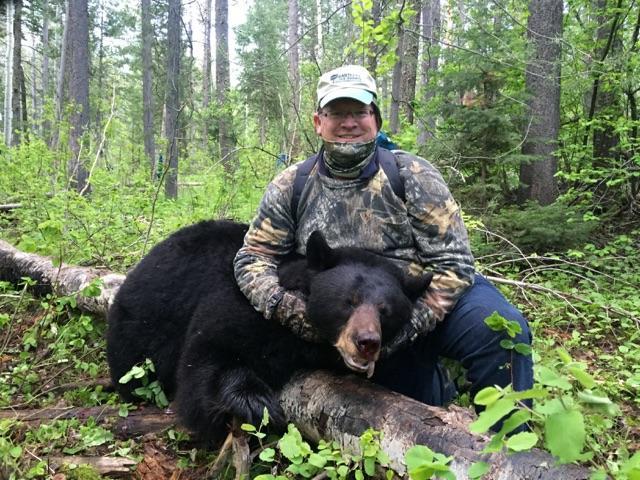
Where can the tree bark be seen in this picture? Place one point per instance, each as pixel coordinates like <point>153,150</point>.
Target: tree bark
<point>206,73</point>
<point>63,70</point>
<point>78,20</point>
<point>18,96</point>
<point>410,62</point>
<point>223,82</point>
<point>293,55</point>
<point>147,85</point>
<point>431,22</point>
<point>8,76</point>
<point>606,91</point>
<point>396,81</point>
<point>63,279</point>
<point>542,78</point>
<point>321,404</point>
<point>172,98</point>
<point>44,127</point>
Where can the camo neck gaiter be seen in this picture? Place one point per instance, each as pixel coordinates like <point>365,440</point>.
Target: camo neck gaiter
<point>347,159</point>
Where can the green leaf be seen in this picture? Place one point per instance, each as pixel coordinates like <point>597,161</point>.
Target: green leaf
<point>550,377</point>
<point>565,435</point>
<point>267,455</point>
<point>359,475</point>
<point>15,452</point>
<point>491,415</point>
<point>317,460</point>
<point>487,396</point>
<point>523,349</point>
<point>522,441</point>
<point>535,392</point>
<point>632,467</point>
<point>591,398</point>
<point>507,344</point>
<point>370,466</point>
<point>564,355</point>
<point>516,419</point>
<point>582,376</point>
<point>477,470</point>
<point>247,427</point>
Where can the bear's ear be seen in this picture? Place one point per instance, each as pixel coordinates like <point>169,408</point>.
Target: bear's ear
<point>414,287</point>
<point>320,256</point>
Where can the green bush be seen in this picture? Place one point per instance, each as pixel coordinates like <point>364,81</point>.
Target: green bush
<point>536,228</point>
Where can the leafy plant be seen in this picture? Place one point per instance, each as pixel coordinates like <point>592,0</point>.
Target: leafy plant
<point>150,390</point>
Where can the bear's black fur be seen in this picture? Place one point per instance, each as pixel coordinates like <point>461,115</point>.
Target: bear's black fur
<point>215,354</point>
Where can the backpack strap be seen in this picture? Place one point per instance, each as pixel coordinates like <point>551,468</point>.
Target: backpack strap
<point>386,160</point>
<point>302,173</point>
<point>388,163</point>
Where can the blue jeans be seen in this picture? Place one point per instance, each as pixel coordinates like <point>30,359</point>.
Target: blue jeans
<point>462,336</point>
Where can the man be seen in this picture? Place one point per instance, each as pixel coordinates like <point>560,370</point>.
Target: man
<point>351,200</point>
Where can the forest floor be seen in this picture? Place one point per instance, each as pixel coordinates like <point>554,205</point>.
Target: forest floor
<point>54,376</point>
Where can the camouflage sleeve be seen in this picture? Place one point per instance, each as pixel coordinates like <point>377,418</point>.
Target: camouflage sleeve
<point>271,235</point>
<point>441,240</point>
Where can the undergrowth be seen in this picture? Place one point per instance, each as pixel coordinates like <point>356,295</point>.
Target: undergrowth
<point>582,304</point>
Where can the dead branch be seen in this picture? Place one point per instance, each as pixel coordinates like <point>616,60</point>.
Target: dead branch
<point>103,465</point>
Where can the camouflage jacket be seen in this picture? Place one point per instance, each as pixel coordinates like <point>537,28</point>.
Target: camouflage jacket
<point>425,232</point>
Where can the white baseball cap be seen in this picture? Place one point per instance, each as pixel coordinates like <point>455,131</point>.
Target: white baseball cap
<point>349,81</point>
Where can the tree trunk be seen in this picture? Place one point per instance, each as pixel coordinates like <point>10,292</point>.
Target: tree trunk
<point>44,126</point>
<point>63,71</point>
<point>410,62</point>
<point>172,98</point>
<point>223,82</point>
<point>542,79</point>
<point>97,128</point>
<point>374,47</point>
<point>318,47</point>
<point>17,84</point>
<point>8,76</point>
<point>607,90</point>
<point>147,85</point>
<point>396,82</point>
<point>431,23</point>
<point>293,55</point>
<point>78,21</point>
<point>206,73</point>
<point>321,404</point>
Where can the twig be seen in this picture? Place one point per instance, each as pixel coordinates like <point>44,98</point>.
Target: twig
<point>104,135</point>
<point>563,295</point>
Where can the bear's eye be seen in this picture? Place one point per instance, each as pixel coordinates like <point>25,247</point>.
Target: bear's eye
<point>353,300</point>
<point>383,309</point>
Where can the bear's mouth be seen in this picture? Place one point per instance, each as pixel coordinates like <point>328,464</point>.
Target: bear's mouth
<point>364,367</point>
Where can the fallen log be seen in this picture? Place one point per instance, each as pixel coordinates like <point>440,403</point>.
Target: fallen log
<point>62,279</point>
<point>7,207</point>
<point>138,422</point>
<point>103,465</point>
<point>323,405</point>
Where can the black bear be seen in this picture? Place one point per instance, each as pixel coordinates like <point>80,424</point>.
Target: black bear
<point>218,357</point>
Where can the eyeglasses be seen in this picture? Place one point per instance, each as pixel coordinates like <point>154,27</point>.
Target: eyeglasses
<point>357,114</point>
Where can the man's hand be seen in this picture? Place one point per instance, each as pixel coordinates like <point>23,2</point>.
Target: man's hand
<point>290,313</point>
<point>422,321</point>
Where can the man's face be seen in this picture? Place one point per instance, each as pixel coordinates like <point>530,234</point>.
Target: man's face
<point>346,120</point>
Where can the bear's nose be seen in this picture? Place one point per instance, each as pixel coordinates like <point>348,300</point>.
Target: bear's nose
<point>368,344</point>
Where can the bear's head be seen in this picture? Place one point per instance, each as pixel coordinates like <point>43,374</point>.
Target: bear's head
<point>358,300</point>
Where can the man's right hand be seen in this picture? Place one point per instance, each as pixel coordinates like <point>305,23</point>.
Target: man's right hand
<point>291,313</point>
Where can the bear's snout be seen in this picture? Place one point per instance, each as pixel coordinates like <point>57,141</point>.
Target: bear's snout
<point>368,344</point>
<point>359,341</point>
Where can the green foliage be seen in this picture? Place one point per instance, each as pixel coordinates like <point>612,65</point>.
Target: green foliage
<point>536,228</point>
<point>150,390</point>
<point>424,464</point>
<point>294,457</point>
